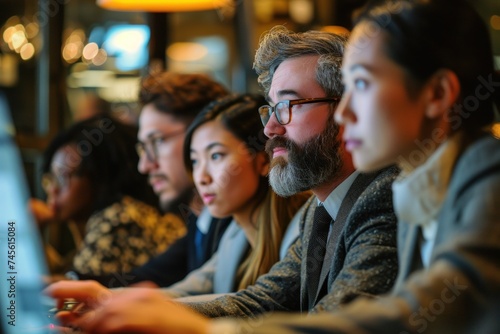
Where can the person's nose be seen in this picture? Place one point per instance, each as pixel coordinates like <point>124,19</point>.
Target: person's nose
<point>201,174</point>
<point>344,113</point>
<point>273,127</point>
<point>145,165</point>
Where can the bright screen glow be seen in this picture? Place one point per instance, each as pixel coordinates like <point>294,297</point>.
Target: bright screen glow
<point>128,44</point>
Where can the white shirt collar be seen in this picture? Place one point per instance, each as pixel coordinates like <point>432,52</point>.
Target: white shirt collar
<point>204,220</point>
<point>419,195</point>
<point>334,200</point>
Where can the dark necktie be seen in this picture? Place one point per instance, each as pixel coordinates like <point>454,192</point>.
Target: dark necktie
<point>316,251</point>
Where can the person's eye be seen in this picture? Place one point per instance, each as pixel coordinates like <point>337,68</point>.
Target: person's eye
<point>216,156</point>
<point>193,162</point>
<point>360,84</point>
<point>157,141</point>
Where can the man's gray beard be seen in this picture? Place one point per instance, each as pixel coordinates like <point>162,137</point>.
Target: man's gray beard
<point>287,180</point>
<point>316,162</point>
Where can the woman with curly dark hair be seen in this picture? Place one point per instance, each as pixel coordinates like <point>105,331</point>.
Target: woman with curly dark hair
<point>92,182</point>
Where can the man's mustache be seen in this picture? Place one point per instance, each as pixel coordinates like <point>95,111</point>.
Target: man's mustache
<point>272,143</point>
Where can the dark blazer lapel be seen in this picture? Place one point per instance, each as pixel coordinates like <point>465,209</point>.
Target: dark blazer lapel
<point>308,218</point>
<point>357,187</point>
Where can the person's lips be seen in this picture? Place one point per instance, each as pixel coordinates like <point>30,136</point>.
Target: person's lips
<point>352,144</point>
<point>208,198</point>
<point>158,183</point>
<point>277,146</point>
<point>279,151</point>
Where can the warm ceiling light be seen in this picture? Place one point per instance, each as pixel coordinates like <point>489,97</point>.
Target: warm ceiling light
<point>162,5</point>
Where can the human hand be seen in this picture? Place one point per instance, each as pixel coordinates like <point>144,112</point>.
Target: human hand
<point>89,293</point>
<point>145,284</point>
<point>137,310</point>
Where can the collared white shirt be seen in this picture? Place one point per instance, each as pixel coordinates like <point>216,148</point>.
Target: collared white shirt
<point>334,200</point>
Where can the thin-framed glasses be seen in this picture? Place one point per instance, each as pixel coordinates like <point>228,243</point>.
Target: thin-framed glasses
<point>152,146</point>
<point>61,181</point>
<point>283,109</point>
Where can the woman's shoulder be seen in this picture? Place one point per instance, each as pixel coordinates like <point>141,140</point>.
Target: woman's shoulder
<point>479,156</point>
<point>479,160</point>
<point>129,210</point>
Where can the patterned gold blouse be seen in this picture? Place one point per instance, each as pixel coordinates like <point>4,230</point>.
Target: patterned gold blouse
<point>125,235</point>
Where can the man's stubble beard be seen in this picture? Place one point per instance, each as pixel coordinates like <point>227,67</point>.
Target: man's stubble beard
<point>312,164</point>
<point>179,205</point>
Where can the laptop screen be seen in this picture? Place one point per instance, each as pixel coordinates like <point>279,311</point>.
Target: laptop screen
<point>22,259</point>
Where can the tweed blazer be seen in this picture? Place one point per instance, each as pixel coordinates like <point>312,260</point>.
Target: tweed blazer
<point>460,290</point>
<point>364,262</point>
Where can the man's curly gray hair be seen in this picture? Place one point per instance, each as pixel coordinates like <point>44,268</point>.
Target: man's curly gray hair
<point>280,44</point>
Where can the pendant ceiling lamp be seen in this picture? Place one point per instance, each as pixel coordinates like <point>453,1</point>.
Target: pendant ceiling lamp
<point>162,5</point>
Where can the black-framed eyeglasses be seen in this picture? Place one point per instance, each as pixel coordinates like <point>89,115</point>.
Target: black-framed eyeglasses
<point>283,109</point>
<point>152,146</point>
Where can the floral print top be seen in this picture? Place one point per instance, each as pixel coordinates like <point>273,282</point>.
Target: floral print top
<point>125,235</point>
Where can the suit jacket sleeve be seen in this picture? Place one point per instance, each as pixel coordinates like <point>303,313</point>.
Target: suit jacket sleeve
<point>278,290</point>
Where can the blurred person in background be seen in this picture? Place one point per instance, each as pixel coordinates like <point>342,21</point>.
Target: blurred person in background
<point>92,183</point>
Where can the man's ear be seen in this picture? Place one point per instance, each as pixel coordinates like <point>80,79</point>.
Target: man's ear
<point>442,92</point>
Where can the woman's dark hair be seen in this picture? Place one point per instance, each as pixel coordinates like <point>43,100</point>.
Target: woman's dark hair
<point>239,115</point>
<point>108,158</point>
<point>424,36</point>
